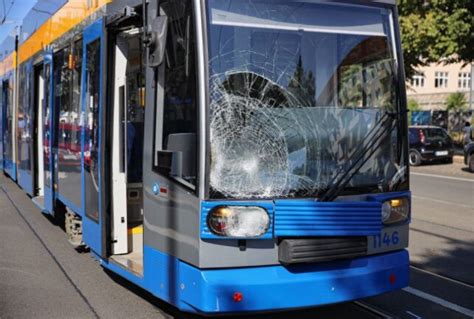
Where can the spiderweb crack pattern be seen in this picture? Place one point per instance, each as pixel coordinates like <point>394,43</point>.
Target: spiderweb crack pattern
<point>250,130</point>
<point>269,137</point>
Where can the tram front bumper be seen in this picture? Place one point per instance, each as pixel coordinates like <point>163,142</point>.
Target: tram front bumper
<point>280,287</point>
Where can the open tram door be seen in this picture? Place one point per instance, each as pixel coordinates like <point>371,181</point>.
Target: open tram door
<point>45,135</point>
<point>92,142</point>
<point>39,99</point>
<point>127,116</point>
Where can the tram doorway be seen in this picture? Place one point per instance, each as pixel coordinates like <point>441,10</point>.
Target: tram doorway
<point>38,118</point>
<point>128,109</point>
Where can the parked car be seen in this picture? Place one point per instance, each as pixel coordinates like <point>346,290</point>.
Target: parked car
<point>429,144</point>
<point>469,156</point>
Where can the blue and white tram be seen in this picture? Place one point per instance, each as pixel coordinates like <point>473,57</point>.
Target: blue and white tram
<point>224,155</point>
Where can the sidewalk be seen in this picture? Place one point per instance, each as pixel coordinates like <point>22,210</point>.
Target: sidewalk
<point>458,159</point>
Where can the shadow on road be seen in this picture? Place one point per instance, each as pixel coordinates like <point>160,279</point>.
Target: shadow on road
<point>456,262</point>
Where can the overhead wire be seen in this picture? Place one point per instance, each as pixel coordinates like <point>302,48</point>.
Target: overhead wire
<point>5,12</point>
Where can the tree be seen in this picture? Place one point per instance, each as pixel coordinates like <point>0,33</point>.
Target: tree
<point>413,105</point>
<point>456,102</point>
<point>436,30</point>
<point>302,85</point>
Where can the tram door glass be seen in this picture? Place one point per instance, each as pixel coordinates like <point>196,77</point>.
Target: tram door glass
<point>91,146</point>
<point>22,119</point>
<point>68,64</point>
<point>47,125</point>
<point>3,104</point>
<point>25,118</point>
<point>1,125</point>
<point>8,130</point>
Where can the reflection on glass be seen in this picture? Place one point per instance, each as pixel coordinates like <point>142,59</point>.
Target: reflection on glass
<point>8,130</point>
<point>47,125</point>
<point>68,65</point>
<point>25,126</point>
<point>180,115</point>
<point>91,147</point>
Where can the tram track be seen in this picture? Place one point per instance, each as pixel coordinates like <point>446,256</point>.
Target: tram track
<point>374,311</point>
<point>453,280</point>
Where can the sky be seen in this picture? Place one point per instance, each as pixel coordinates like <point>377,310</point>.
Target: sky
<point>15,11</point>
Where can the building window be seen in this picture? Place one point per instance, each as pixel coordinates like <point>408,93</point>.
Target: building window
<point>441,79</point>
<point>464,80</point>
<point>418,80</point>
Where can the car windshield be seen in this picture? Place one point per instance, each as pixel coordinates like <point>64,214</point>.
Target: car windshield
<point>295,87</point>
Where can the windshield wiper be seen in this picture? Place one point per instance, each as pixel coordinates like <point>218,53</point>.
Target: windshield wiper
<point>366,148</point>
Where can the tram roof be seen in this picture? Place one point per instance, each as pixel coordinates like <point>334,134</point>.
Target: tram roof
<point>44,10</point>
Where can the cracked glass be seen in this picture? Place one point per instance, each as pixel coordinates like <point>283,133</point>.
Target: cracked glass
<point>295,88</point>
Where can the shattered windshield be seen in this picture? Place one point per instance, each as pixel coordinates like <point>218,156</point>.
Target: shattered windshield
<point>295,87</point>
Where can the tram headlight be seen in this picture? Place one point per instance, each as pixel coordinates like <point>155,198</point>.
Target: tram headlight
<point>395,210</point>
<point>238,221</point>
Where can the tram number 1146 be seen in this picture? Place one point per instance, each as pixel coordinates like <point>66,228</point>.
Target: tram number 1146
<point>386,239</point>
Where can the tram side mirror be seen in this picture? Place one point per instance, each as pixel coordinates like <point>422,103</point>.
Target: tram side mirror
<point>179,160</point>
<point>157,45</point>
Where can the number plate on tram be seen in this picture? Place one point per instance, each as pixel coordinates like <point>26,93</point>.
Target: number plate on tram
<point>391,238</point>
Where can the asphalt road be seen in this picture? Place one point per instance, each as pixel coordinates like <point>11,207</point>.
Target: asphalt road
<point>441,246</point>
<point>442,229</point>
<point>42,276</point>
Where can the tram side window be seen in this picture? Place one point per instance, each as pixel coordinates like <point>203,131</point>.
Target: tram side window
<point>67,66</point>
<point>24,117</point>
<point>180,96</point>
<point>8,121</point>
<point>22,105</point>
<point>47,125</point>
<point>76,67</point>
<point>62,90</point>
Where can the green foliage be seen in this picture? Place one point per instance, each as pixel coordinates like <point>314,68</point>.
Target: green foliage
<point>413,105</point>
<point>436,30</point>
<point>456,102</point>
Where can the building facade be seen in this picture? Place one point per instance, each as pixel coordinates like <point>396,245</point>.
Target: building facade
<point>432,84</point>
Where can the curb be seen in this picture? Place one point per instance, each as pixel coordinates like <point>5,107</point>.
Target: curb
<point>458,159</point>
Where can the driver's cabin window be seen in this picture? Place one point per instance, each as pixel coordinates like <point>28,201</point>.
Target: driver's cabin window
<point>179,134</point>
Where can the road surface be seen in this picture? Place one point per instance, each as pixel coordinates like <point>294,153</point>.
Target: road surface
<point>42,276</point>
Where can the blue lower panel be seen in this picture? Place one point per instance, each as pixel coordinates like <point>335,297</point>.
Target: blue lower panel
<point>266,288</point>
<point>25,180</point>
